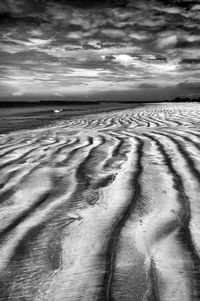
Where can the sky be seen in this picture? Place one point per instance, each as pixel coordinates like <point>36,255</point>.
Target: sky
<point>99,50</point>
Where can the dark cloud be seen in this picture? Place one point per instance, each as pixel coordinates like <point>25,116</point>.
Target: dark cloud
<point>190,61</point>
<point>109,58</point>
<point>190,88</point>
<point>148,86</point>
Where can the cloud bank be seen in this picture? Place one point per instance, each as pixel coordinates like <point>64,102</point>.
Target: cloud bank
<point>89,47</point>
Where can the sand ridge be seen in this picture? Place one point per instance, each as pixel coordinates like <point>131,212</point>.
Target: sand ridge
<point>103,207</point>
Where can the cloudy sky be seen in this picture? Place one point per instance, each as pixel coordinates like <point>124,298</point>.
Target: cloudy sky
<point>106,49</point>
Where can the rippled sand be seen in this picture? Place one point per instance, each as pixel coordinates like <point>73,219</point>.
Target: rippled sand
<point>103,207</point>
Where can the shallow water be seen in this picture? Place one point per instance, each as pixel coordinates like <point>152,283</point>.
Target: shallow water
<point>34,116</point>
<point>103,207</point>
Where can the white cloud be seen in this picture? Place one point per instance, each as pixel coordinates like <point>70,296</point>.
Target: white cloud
<point>23,45</point>
<point>36,32</point>
<point>11,48</point>
<point>94,43</point>
<point>76,35</point>
<point>89,73</point>
<point>167,41</point>
<point>113,33</point>
<point>169,10</point>
<point>167,67</point>
<point>17,93</point>
<point>196,7</point>
<point>138,36</point>
<point>124,59</point>
<point>38,42</point>
<point>192,38</point>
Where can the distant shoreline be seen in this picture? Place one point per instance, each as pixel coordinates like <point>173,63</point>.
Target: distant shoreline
<point>8,104</point>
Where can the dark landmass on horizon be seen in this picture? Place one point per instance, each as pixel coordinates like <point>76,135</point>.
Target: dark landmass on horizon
<point>83,102</point>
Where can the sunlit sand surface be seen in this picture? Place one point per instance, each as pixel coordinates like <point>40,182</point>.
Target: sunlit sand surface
<point>104,206</point>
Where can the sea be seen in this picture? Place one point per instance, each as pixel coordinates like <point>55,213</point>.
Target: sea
<point>36,116</point>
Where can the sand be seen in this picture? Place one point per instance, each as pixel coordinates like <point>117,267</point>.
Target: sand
<point>103,207</point>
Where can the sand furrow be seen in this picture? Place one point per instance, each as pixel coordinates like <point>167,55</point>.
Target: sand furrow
<point>184,233</point>
<point>103,207</point>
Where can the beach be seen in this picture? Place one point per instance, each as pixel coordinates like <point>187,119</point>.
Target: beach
<point>102,206</point>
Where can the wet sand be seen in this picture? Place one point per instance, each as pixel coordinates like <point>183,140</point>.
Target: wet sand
<point>103,207</point>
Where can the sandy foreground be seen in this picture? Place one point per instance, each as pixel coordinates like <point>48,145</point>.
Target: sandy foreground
<point>103,207</point>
